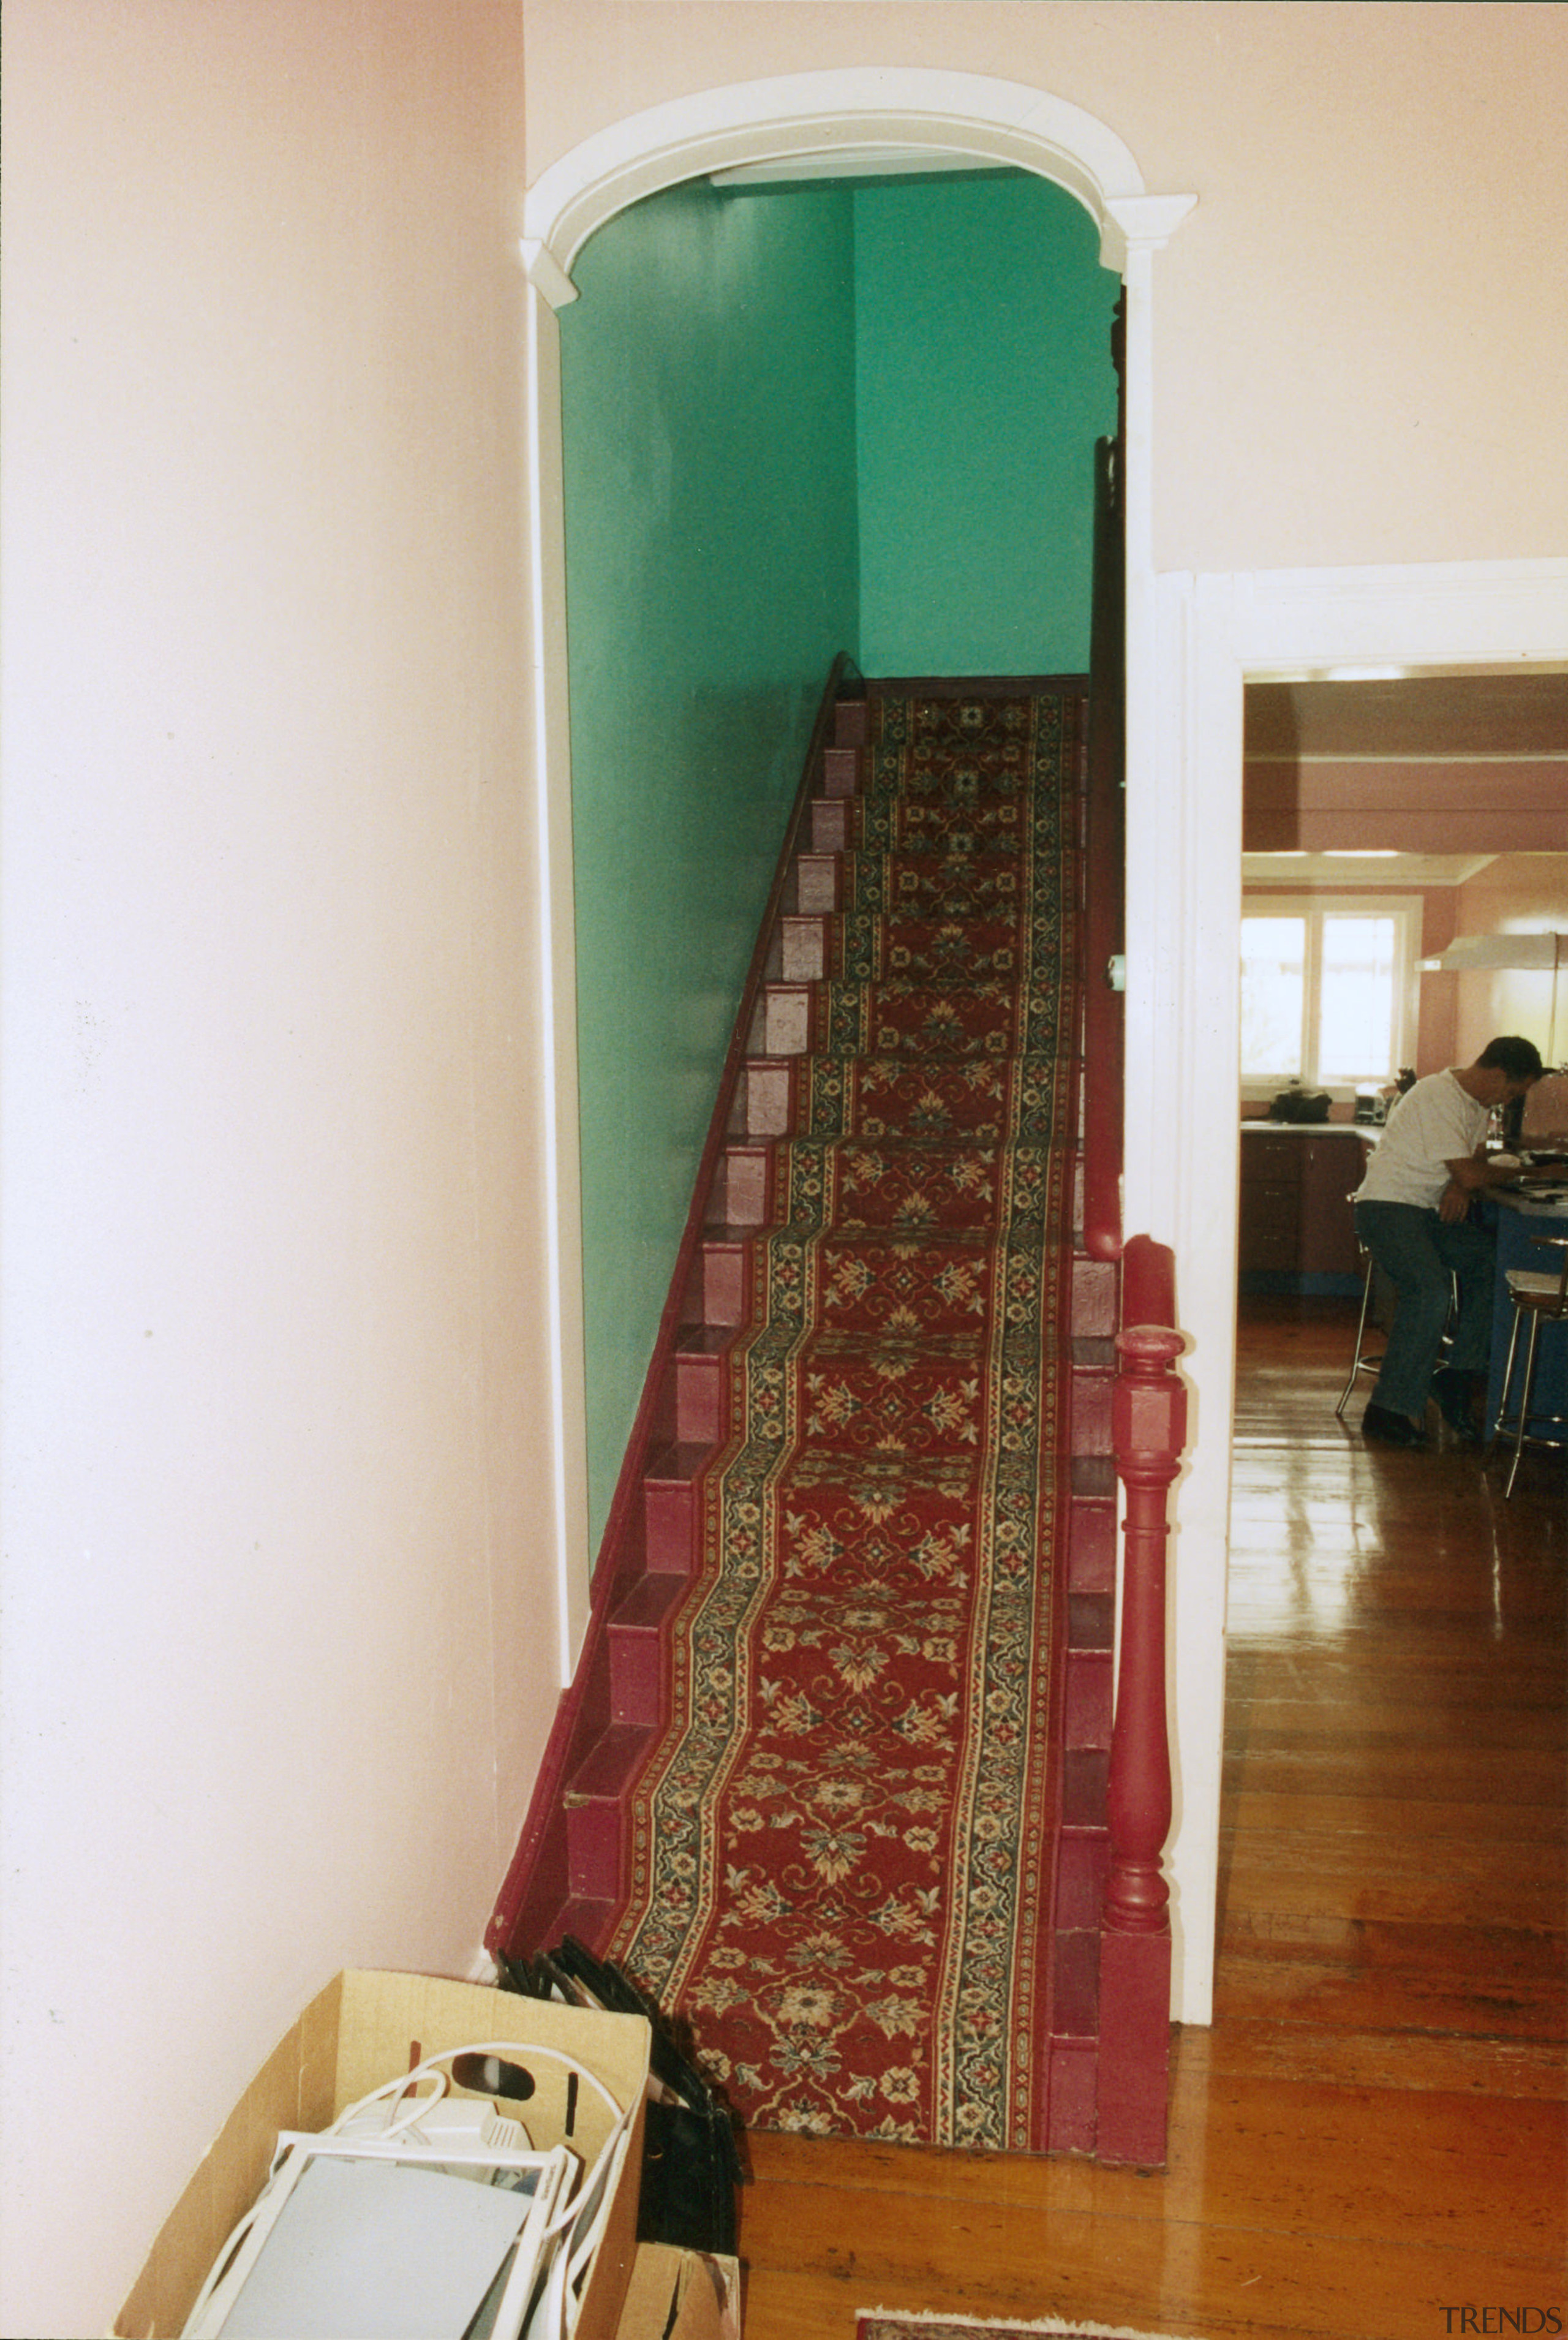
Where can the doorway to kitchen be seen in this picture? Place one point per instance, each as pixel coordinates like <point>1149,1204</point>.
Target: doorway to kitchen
<point>1428,802</point>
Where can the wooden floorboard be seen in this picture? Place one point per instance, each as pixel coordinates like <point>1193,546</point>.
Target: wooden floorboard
<point>1371,2138</point>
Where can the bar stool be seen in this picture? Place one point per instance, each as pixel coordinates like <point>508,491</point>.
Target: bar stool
<point>1366,1360</point>
<point>1543,1297</point>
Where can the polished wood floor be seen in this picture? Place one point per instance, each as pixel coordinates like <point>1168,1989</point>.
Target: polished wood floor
<point>1369,2140</point>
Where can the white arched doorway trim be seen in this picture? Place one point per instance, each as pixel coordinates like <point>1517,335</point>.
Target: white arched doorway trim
<point>814,113</point>
<point>946,113</point>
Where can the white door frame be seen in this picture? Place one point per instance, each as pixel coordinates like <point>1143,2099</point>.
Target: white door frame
<point>1212,635</point>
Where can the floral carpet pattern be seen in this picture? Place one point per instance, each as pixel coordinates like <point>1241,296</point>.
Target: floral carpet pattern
<point>840,1845</point>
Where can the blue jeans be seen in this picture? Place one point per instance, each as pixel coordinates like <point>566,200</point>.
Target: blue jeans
<point>1418,1254</point>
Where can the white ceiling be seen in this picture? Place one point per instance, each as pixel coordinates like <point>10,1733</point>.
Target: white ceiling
<point>1322,872</point>
<point>1479,713</point>
<point>1489,745</point>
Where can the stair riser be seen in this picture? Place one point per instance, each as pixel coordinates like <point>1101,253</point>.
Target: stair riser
<point>788,1020</point>
<point>831,822</point>
<point>724,1268</point>
<point>1095,1294</point>
<point>817,884</point>
<point>741,1198</point>
<point>769,1097</point>
<point>1072,2118</point>
<point>1083,1864</point>
<point>803,949</point>
<point>636,1662</point>
<point>841,771</point>
<point>1089,1699</point>
<point>1092,1548</point>
<point>1091,1413</point>
<point>593,1849</point>
<point>636,1676</point>
<point>702,1386</point>
<point>669,1513</point>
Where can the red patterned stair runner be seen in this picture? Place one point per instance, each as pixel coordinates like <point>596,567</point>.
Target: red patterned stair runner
<point>843,1865</point>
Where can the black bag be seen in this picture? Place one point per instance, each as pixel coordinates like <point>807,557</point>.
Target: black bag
<point>690,2165</point>
<point>1299,1104</point>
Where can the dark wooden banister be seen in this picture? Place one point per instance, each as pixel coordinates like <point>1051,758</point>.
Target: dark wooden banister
<point>1104,862</point>
<point>1148,1421</point>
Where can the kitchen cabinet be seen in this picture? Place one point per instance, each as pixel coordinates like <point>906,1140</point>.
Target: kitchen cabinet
<point>1297,1223</point>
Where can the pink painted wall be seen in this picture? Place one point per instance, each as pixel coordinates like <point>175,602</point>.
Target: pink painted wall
<point>280,1646</point>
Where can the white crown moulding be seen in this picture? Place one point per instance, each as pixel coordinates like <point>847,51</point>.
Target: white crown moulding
<point>953,117</point>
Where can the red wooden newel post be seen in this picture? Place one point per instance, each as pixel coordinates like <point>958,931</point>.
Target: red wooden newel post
<point>1148,1414</point>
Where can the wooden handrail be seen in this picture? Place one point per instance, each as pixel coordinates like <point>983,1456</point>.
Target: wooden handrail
<point>1148,1405</point>
<point>1148,1283</point>
<point>1149,1408</point>
<point>1103,857</point>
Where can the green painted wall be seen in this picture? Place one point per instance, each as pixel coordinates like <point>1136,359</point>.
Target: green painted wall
<point>983,379</point>
<point>708,396</point>
<point>795,424</point>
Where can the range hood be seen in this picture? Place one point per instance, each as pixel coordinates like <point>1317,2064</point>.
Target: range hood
<point>1548,951</point>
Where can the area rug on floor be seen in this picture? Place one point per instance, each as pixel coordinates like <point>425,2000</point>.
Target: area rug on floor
<point>840,1848</point>
<point>884,2324</point>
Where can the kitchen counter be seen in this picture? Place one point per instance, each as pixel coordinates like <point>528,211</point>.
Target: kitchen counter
<point>1298,1133</point>
<point>1519,1222</point>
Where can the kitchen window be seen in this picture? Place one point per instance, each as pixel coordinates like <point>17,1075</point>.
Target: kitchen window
<point>1328,989</point>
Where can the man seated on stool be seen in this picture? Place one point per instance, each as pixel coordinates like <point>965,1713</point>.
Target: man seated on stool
<point>1412,1212</point>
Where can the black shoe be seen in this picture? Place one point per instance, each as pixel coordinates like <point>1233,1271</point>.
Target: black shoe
<point>1452,1390</point>
<point>1391,1429</point>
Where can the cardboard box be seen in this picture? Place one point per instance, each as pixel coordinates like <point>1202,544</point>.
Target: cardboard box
<point>677,2294</point>
<point>365,2028</point>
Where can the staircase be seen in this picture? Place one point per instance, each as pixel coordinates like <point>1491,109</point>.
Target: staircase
<point>572,1868</point>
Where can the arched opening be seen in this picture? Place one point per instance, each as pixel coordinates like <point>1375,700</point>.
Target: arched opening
<point>824,115</point>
